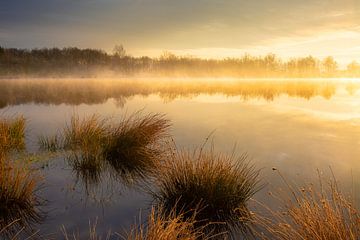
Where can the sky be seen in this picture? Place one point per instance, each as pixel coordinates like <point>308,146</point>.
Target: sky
<point>203,28</point>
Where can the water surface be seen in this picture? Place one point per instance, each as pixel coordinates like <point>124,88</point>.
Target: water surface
<point>298,126</point>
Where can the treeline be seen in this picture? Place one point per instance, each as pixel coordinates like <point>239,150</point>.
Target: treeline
<point>92,62</point>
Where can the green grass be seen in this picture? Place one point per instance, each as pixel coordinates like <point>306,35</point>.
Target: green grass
<point>12,134</point>
<point>216,186</point>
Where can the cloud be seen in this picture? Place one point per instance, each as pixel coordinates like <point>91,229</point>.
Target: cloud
<point>171,24</point>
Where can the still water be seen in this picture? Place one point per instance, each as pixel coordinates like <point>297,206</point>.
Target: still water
<point>296,126</point>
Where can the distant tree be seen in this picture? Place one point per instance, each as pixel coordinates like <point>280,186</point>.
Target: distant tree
<point>330,65</point>
<point>354,69</point>
<point>119,51</point>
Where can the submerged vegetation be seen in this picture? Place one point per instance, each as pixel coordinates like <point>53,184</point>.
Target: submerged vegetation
<point>215,186</point>
<point>91,62</point>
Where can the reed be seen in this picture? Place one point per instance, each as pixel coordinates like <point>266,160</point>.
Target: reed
<point>86,134</point>
<point>50,143</point>
<point>312,214</point>
<point>17,196</point>
<point>134,146</point>
<point>12,134</point>
<point>130,148</point>
<point>93,235</point>
<point>161,226</point>
<point>217,186</point>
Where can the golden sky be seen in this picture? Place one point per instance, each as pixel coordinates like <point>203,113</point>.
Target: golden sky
<point>205,28</point>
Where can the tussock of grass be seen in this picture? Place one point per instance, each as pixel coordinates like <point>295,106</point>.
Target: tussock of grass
<point>87,134</point>
<point>218,186</point>
<point>12,134</point>
<point>312,215</point>
<point>133,147</point>
<point>17,197</point>
<point>161,226</point>
<point>129,148</point>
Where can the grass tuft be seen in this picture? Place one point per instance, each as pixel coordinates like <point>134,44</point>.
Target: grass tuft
<point>17,197</point>
<point>311,214</point>
<point>161,226</point>
<point>134,146</point>
<point>131,148</point>
<point>12,134</point>
<point>50,144</point>
<point>217,186</point>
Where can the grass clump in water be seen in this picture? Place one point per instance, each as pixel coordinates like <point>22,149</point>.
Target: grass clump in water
<point>217,186</point>
<point>12,134</point>
<point>133,147</point>
<point>17,196</point>
<point>311,214</point>
<point>161,226</point>
<point>129,148</point>
<point>86,134</point>
<point>50,144</point>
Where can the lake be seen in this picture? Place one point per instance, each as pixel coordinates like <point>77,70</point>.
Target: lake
<point>298,126</point>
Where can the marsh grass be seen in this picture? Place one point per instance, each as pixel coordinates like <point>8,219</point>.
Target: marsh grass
<point>86,134</point>
<point>133,147</point>
<point>93,235</point>
<point>130,149</point>
<point>311,213</point>
<point>50,143</point>
<point>166,226</point>
<point>12,133</point>
<point>17,196</point>
<point>217,186</point>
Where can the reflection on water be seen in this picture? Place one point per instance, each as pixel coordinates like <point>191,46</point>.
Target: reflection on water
<point>89,91</point>
<point>296,126</point>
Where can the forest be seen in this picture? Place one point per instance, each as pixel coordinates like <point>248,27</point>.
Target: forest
<point>72,61</point>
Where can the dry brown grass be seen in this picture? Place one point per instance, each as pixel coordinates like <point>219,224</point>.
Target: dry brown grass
<point>17,196</point>
<point>134,146</point>
<point>311,214</point>
<point>217,186</point>
<point>130,148</point>
<point>161,226</point>
<point>12,133</point>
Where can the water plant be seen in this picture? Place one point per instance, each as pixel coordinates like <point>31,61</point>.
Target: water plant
<point>18,208</point>
<point>134,146</point>
<point>12,133</point>
<point>130,148</point>
<point>217,186</point>
<point>50,143</point>
<point>162,226</point>
<point>311,213</point>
